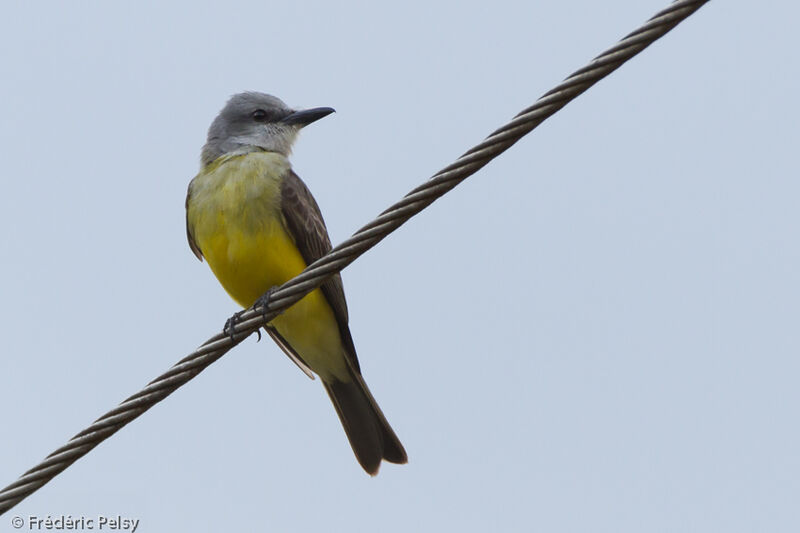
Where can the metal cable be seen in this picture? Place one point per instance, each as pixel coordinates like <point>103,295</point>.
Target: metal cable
<point>347,252</point>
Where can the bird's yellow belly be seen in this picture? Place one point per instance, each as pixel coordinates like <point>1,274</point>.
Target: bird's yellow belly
<point>248,264</point>
<point>238,228</point>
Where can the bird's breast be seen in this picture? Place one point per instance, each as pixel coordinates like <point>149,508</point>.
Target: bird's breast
<point>234,214</point>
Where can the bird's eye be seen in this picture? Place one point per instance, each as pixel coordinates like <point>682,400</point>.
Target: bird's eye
<point>259,115</point>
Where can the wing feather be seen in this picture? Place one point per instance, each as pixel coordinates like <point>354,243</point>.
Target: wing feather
<point>192,244</point>
<point>306,226</point>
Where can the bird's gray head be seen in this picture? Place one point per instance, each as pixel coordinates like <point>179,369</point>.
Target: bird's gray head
<point>254,121</point>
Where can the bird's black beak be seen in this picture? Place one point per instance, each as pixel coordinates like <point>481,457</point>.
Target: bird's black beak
<point>307,116</point>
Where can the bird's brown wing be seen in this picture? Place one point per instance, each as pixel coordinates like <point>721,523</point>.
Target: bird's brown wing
<point>305,224</point>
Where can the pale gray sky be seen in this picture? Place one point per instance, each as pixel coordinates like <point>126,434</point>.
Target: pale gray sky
<point>597,332</point>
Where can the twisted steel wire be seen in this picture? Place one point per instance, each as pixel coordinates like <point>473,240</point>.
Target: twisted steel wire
<point>348,251</point>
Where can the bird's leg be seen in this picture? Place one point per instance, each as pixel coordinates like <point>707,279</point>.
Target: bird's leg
<point>264,299</point>
<point>262,302</point>
<point>230,324</point>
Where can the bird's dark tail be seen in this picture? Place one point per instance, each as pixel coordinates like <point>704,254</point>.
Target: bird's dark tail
<point>367,430</point>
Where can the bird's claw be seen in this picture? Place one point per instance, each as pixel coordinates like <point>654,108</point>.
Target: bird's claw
<point>264,299</point>
<point>230,325</point>
<point>263,303</point>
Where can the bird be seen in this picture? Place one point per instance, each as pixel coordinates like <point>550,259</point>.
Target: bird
<point>257,225</point>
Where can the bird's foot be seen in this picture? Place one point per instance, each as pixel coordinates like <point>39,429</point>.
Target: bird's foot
<point>262,303</point>
<point>264,299</point>
<point>230,325</point>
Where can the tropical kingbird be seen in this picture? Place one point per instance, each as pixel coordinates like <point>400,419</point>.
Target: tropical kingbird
<point>257,225</point>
